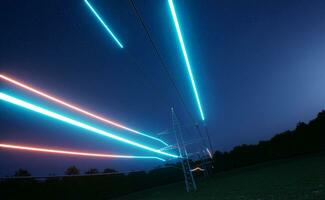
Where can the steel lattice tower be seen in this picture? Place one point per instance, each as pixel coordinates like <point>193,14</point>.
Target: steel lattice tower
<point>188,176</point>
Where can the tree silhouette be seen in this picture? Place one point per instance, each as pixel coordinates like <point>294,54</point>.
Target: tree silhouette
<point>109,170</point>
<point>22,172</point>
<point>92,171</point>
<point>72,170</point>
<point>306,138</point>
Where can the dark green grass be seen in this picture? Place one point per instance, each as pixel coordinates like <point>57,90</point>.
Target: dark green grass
<point>297,178</point>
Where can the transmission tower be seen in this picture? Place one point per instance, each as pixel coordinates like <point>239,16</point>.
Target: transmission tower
<point>188,176</point>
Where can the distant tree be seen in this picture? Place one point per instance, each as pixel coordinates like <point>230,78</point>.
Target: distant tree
<point>92,171</point>
<point>109,170</point>
<point>301,125</point>
<point>137,174</point>
<point>22,172</point>
<point>72,170</point>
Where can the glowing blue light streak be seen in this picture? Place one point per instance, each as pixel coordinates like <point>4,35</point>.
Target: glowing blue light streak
<point>75,107</point>
<point>181,41</point>
<point>68,120</point>
<point>103,23</point>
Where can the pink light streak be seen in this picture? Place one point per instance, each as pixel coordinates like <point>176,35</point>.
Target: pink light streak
<point>76,108</point>
<point>74,153</point>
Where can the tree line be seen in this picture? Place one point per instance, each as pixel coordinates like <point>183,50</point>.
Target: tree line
<point>104,186</point>
<point>304,139</point>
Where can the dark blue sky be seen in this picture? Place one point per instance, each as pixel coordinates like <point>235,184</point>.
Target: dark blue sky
<point>259,67</point>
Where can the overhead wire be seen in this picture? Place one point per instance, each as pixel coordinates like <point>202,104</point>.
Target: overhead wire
<point>163,64</point>
<point>165,67</point>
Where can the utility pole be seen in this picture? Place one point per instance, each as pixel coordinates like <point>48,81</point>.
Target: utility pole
<point>188,176</point>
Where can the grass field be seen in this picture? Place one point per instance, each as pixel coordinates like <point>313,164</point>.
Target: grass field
<point>293,179</point>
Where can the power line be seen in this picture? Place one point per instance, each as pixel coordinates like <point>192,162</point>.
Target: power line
<point>140,68</point>
<point>145,77</point>
<point>164,65</point>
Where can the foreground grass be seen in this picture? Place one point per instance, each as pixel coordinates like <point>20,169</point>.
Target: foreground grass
<point>296,178</point>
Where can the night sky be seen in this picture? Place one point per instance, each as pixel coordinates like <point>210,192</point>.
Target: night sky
<point>259,68</point>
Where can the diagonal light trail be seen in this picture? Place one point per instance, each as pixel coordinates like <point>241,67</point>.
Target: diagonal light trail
<point>29,106</point>
<point>103,23</point>
<point>74,107</point>
<point>187,62</point>
<point>74,153</point>
<point>209,152</point>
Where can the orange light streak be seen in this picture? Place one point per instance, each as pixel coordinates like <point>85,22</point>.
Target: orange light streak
<point>75,153</point>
